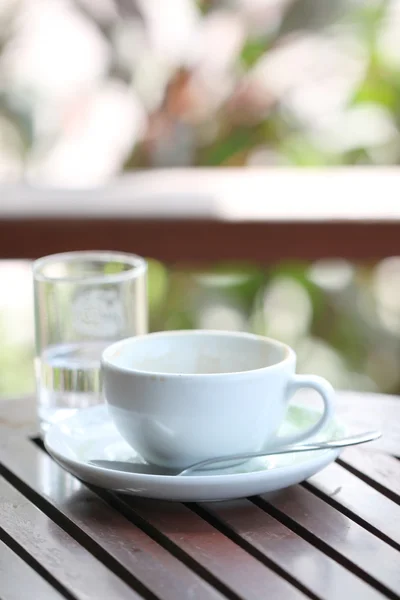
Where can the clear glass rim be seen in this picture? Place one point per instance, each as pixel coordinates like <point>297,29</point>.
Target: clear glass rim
<point>137,264</point>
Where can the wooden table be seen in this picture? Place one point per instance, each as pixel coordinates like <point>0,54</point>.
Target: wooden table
<point>335,537</point>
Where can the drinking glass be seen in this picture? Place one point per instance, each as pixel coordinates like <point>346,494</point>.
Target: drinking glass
<point>83,302</point>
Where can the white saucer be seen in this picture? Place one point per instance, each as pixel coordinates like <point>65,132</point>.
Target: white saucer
<point>90,434</point>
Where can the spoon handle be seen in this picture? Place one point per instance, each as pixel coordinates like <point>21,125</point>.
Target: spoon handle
<point>352,440</point>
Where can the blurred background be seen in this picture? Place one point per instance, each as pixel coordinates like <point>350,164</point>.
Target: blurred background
<point>91,90</point>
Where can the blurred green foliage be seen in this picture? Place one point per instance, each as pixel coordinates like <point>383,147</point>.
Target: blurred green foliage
<point>337,316</point>
<point>292,82</point>
<point>259,123</point>
<point>343,320</point>
<point>16,364</point>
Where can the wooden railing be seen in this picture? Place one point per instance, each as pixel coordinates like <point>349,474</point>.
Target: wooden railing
<point>206,215</point>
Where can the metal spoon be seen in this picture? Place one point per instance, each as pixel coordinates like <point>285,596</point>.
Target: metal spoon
<point>147,469</point>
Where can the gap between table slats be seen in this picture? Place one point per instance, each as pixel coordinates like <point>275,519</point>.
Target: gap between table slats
<point>134,510</point>
<point>359,501</point>
<point>102,530</point>
<point>25,462</point>
<point>265,536</point>
<point>185,532</point>
<point>28,531</point>
<point>381,572</point>
<point>19,580</point>
<point>336,535</point>
<point>36,565</point>
<point>379,470</point>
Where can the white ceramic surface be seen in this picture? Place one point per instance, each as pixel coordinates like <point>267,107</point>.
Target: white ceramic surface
<point>180,397</point>
<point>91,435</point>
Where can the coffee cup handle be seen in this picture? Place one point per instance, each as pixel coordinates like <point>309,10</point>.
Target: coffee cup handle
<point>326,391</point>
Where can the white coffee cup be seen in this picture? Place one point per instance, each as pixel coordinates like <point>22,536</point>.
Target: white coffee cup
<point>179,397</point>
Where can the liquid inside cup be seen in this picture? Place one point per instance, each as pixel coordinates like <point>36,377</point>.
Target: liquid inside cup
<point>196,354</point>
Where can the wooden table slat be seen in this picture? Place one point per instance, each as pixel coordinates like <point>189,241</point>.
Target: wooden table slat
<point>359,499</point>
<point>18,579</point>
<point>240,572</point>
<point>309,565</point>
<point>376,468</point>
<point>362,412</point>
<point>141,556</point>
<point>58,553</point>
<point>336,535</point>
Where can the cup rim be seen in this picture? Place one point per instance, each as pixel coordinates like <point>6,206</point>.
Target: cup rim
<point>138,266</point>
<point>106,359</point>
